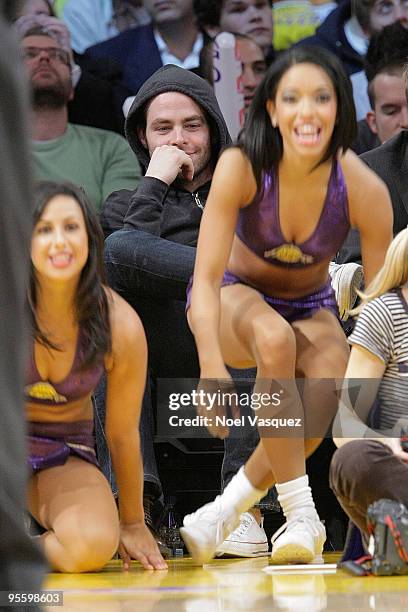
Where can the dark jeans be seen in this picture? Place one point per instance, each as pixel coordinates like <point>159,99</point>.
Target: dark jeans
<point>143,265</point>
<point>238,448</point>
<point>146,428</point>
<point>363,471</point>
<point>152,275</point>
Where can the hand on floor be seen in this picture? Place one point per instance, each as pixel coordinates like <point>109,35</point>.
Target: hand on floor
<point>136,542</point>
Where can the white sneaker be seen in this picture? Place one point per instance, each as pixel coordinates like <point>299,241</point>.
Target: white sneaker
<point>206,529</point>
<point>248,540</point>
<point>345,279</point>
<point>299,540</point>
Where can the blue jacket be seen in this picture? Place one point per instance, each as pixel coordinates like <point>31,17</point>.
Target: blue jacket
<point>135,51</point>
<point>330,35</point>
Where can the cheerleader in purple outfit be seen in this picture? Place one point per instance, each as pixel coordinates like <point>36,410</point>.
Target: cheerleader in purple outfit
<point>280,206</point>
<point>81,328</point>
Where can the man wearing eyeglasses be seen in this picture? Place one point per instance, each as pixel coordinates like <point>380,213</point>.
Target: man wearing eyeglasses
<point>49,70</point>
<point>97,160</point>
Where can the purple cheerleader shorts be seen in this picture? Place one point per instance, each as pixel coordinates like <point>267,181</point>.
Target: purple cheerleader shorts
<point>290,309</point>
<point>50,444</point>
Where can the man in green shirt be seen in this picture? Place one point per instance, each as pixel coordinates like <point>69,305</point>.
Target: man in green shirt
<point>97,160</point>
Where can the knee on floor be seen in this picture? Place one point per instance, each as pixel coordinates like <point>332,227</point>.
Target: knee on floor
<point>90,549</point>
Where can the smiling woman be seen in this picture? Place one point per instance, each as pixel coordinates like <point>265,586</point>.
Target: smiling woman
<point>60,241</point>
<point>280,205</point>
<point>79,329</point>
<point>305,108</point>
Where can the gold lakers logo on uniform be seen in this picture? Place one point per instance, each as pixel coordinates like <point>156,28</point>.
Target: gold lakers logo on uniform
<point>290,254</point>
<point>45,391</point>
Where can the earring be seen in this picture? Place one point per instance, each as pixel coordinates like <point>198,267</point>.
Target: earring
<point>274,123</point>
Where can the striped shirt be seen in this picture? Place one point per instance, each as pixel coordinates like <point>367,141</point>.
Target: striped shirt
<point>382,329</point>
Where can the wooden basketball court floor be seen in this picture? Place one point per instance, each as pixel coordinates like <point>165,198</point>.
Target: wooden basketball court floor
<point>226,585</point>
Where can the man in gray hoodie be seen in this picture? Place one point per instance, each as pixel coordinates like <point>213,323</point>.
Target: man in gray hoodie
<point>177,132</point>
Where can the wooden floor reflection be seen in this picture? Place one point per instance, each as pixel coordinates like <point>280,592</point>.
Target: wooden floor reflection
<point>225,585</point>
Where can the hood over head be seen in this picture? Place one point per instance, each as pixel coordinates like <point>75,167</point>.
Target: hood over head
<point>174,78</point>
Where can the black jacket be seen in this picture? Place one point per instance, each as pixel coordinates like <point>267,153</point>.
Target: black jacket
<point>169,212</point>
<point>390,162</point>
<point>99,96</point>
<point>366,139</point>
<point>330,35</point>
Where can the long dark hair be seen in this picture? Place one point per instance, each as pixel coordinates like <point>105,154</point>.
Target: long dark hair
<point>262,143</point>
<point>91,302</point>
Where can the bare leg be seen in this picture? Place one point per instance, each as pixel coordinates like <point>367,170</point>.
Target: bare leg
<point>319,361</point>
<point>263,477</point>
<point>252,333</point>
<point>76,506</point>
<point>315,358</point>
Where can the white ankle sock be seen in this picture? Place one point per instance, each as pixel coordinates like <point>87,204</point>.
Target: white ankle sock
<point>295,497</point>
<point>239,495</point>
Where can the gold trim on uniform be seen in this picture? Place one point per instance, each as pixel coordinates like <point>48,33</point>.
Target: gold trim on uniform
<point>45,391</point>
<point>289,253</point>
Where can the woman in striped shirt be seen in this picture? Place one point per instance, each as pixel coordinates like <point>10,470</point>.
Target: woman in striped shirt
<point>370,463</point>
